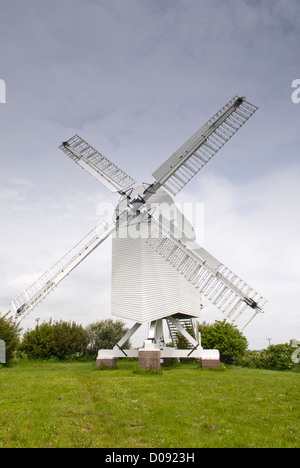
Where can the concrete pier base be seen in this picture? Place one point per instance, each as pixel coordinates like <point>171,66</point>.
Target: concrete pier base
<point>209,363</point>
<point>106,362</point>
<point>149,359</point>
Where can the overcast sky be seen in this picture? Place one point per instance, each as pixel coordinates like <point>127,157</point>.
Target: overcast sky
<point>136,78</point>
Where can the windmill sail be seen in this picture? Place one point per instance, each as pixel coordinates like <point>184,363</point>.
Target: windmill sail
<point>223,288</point>
<point>97,165</point>
<point>185,163</point>
<point>36,293</point>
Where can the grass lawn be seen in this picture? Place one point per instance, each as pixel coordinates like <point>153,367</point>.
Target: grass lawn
<point>77,405</point>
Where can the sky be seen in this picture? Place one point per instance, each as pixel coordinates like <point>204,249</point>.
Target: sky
<point>136,78</point>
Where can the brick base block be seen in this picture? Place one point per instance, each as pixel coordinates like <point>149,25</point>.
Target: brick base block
<point>149,359</point>
<point>207,363</point>
<point>106,362</point>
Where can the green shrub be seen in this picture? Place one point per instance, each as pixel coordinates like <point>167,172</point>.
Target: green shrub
<point>104,334</point>
<point>276,357</point>
<point>60,340</point>
<point>39,343</point>
<point>223,336</point>
<point>69,339</point>
<point>9,333</point>
<point>250,359</point>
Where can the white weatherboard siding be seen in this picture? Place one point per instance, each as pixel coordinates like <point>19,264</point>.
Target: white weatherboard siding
<point>144,286</point>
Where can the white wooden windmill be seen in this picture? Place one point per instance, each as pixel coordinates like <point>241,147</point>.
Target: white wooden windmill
<point>158,269</point>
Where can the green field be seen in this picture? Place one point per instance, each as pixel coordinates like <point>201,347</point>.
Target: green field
<point>46,404</point>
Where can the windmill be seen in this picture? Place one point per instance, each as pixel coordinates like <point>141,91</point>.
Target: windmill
<point>159,271</point>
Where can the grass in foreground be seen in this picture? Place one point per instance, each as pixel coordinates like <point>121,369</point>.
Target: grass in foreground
<point>77,405</point>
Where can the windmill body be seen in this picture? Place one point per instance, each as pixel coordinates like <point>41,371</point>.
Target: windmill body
<point>158,269</point>
<point>144,286</point>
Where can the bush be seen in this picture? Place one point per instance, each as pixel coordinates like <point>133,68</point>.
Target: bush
<point>223,336</point>
<point>105,334</point>
<point>276,357</point>
<point>9,333</point>
<point>60,340</point>
<point>39,343</point>
<point>69,339</point>
<point>250,359</point>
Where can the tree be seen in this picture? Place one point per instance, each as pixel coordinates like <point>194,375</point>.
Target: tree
<point>69,339</point>
<point>223,336</point>
<point>9,333</point>
<point>104,334</point>
<point>39,342</point>
<point>60,340</point>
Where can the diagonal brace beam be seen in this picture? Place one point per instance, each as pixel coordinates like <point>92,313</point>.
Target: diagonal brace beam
<point>183,331</point>
<point>128,335</point>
